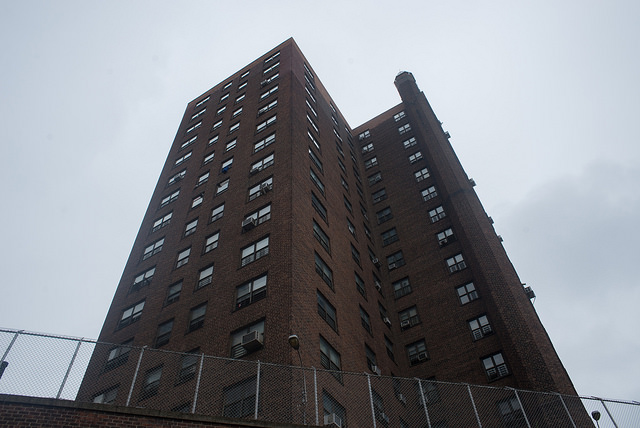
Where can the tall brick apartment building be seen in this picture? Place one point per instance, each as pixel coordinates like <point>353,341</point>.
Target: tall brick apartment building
<point>272,217</point>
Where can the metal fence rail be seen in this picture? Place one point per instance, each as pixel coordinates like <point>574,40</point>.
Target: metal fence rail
<point>42,365</point>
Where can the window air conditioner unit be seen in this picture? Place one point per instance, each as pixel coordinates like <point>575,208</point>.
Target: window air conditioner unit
<point>529,292</point>
<point>249,223</point>
<point>332,420</point>
<point>446,134</point>
<point>225,169</point>
<point>422,356</point>
<point>384,417</point>
<point>263,83</point>
<point>376,369</point>
<point>254,171</point>
<point>376,261</point>
<point>405,324</point>
<point>264,188</point>
<point>378,286</point>
<point>402,398</point>
<point>387,321</point>
<point>252,341</point>
<point>472,182</point>
<point>392,266</point>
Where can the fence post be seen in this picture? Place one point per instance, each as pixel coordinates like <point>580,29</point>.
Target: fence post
<point>373,412</point>
<point>255,415</point>
<point>315,393</point>
<point>135,375</point>
<point>13,340</point>
<point>66,375</point>
<point>473,403</point>
<point>609,413</point>
<point>424,402</point>
<point>195,394</point>
<point>566,410</point>
<point>526,419</point>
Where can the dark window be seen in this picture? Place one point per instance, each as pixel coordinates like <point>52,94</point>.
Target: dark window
<point>173,294</point>
<point>467,293</point>
<point>480,327</point>
<point>495,366</point>
<point>196,317</point>
<point>151,383</point>
<point>320,209</point>
<point>395,260</point>
<point>401,288</point>
<point>323,270</point>
<point>322,237</point>
<point>409,318</point>
<point>417,352</point>
<point>327,311</point>
<point>131,314</point>
<point>379,196</point>
<point>389,236</point>
<point>164,333</point>
<point>118,355</point>
<point>240,399</point>
<point>384,215</point>
<point>251,291</point>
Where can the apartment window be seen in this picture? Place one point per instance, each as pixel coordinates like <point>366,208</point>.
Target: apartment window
<point>161,222</point>
<point>264,125</point>
<point>316,160</point>
<point>389,236</point>
<point>429,193</point>
<point>231,144</point>
<point>211,242</point>
<point>320,209</point>
<point>467,293</point>
<point>306,68</point>
<point>266,94</point>
<point>208,158</point>
<point>404,129</point>
<point>480,327</point>
<point>242,86</point>
<point>373,179</point>
<point>372,362</point>
<point>226,165</point>
<point>370,163</point>
<point>240,399</point>
<point>323,270</point>
<point>194,127</point>
<point>188,367</point>
<point>355,255</point>
<point>197,201</point>
<point>351,228</point>
<point>410,142</point>
<point>341,153</point>
<point>252,291</point>
<point>131,314</point>
<point>152,249</point>
<point>415,157</point>
<point>182,159</point>
<point>190,227</point>
<point>151,383</point>
<point>495,366</point>
<point>205,277</point>
<point>259,216</point>
<point>409,318</point>
<point>262,164</point>
<point>273,104</point>
<point>311,108</point>
<point>456,263</point>
<point>326,311</point>
<point>322,237</point>
<point>417,352</point>
<point>384,215</point>
<point>222,109</point>
<point>344,183</point>
<point>329,357</point>
<point>395,260</point>
<point>217,212</point>
<point>198,114</point>
<point>196,317</point>
<point>106,397</point>
<point>216,125</point>
<point>247,339</point>
<point>511,413</point>
<point>367,231</point>
<point>421,175</point>
<point>399,116</point>
<point>170,198</point>
<point>177,177</point>
<point>333,411</point>
<point>214,139</point>
<point>143,279</point>
<point>240,98</point>
<point>365,320</point>
<point>401,288</point>
<point>445,237</point>
<point>313,88</point>
<point>316,180</point>
<point>313,124</point>
<point>367,148</point>
<point>255,251</point>
<point>264,142</point>
<point>203,179</point>
<point>379,196</point>
<point>360,285</point>
<point>222,186</point>
<point>437,214</point>
<point>271,68</point>
<point>363,210</point>
<point>363,135</point>
<point>347,204</point>
<point>164,333</point>
<point>237,112</point>
<point>183,257</point>
<point>118,355</point>
<point>245,74</point>
<point>227,86</point>
<point>260,188</point>
<point>204,100</point>
<point>173,293</point>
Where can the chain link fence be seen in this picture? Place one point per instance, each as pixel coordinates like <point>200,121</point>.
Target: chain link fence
<point>41,365</point>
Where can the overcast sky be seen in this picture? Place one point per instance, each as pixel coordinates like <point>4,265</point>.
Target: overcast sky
<point>541,98</point>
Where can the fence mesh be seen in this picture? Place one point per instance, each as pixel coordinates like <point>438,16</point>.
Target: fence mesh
<point>50,366</point>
